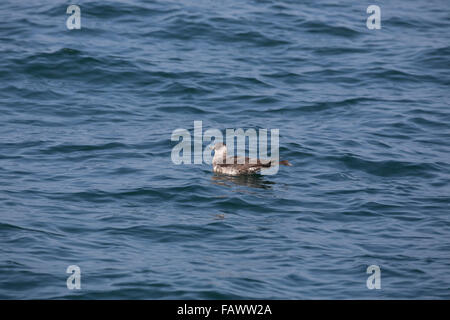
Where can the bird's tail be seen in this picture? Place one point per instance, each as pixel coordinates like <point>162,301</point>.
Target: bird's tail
<point>285,163</point>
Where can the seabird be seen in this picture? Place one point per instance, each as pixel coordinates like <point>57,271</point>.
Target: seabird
<point>239,165</point>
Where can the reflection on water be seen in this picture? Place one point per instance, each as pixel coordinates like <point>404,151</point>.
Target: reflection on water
<point>252,181</point>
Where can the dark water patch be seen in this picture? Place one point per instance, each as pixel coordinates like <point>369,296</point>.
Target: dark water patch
<point>332,51</point>
<point>69,148</point>
<point>323,106</point>
<point>429,123</point>
<point>397,75</point>
<point>322,28</point>
<point>386,168</point>
<point>437,58</point>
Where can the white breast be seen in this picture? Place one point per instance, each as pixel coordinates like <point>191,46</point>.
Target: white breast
<point>226,170</point>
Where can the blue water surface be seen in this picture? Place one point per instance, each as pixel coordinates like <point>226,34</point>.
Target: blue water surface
<point>86,176</point>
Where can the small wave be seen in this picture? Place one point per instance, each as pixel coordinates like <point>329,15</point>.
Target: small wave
<point>397,75</point>
<point>437,58</point>
<point>385,168</point>
<point>185,109</point>
<point>320,27</point>
<point>323,105</point>
<point>69,148</point>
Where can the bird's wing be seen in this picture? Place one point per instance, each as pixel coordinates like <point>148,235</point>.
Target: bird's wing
<point>246,163</point>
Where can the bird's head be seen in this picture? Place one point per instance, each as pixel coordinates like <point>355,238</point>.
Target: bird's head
<point>220,150</point>
<point>219,146</point>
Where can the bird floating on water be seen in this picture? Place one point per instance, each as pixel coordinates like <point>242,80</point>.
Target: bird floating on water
<point>239,165</point>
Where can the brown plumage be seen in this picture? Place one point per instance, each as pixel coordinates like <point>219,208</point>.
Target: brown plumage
<point>239,165</point>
